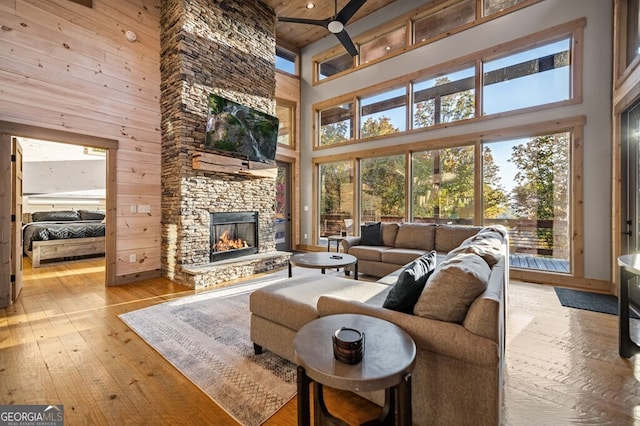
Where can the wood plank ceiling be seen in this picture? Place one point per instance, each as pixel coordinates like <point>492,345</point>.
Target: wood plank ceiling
<point>293,35</point>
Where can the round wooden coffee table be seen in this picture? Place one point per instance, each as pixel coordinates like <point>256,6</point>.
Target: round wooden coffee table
<point>322,260</point>
<point>388,360</point>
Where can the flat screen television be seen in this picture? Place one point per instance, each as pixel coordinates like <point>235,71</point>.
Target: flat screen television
<point>241,131</point>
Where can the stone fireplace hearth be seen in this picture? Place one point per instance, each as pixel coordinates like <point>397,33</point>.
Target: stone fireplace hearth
<point>227,49</point>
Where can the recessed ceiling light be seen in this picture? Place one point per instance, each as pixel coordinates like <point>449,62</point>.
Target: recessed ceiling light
<point>310,5</point>
<point>387,48</point>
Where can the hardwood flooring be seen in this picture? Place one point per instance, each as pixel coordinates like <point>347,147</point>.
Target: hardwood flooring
<point>62,343</point>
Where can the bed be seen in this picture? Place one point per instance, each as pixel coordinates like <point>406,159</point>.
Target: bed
<point>63,235</point>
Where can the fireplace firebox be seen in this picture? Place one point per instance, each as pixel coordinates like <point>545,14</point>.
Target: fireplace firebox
<point>233,234</point>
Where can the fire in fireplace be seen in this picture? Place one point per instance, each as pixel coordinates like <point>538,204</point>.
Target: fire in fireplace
<point>233,234</point>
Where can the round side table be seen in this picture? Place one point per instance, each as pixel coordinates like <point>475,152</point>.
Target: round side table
<point>388,360</point>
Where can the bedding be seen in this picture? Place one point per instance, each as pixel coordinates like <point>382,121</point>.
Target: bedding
<point>45,231</point>
<point>62,225</point>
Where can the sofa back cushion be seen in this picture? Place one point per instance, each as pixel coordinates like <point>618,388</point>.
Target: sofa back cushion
<point>453,287</point>
<point>389,233</point>
<point>420,236</point>
<point>448,237</point>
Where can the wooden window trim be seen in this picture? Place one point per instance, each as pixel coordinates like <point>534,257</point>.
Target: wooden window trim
<point>405,19</point>
<point>573,29</point>
<point>574,125</point>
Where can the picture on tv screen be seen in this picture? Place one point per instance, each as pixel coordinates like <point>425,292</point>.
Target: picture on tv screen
<point>241,130</point>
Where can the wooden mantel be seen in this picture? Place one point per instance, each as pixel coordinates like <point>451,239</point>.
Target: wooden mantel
<point>223,164</point>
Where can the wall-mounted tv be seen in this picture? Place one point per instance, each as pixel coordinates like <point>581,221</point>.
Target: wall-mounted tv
<point>240,130</point>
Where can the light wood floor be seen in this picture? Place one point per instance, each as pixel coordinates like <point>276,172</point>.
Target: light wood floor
<point>62,343</point>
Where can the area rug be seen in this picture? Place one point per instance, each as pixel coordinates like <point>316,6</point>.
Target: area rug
<point>605,303</point>
<point>206,337</point>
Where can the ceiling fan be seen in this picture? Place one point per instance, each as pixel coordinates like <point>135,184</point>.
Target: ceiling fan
<point>336,23</point>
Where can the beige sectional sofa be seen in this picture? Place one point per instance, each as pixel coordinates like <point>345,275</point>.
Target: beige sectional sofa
<point>402,243</point>
<point>458,378</point>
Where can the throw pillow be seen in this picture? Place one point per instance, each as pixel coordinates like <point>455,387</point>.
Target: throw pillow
<point>451,289</point>
<point>55,216</point>
<point>405,292</point>
<point>91,215</point>
<point>371,234</point>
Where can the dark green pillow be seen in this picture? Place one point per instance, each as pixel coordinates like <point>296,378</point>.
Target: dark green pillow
<point>405,292</point>
<point>371,234</point>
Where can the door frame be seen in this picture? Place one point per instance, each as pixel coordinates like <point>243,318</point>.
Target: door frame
<point>7,130</point>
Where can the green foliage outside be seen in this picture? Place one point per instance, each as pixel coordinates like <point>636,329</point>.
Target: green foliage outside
<point>443,180</point>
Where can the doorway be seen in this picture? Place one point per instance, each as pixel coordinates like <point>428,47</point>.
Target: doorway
<point>283,207</point>
<point>9,130</point>
<point>630,182</point>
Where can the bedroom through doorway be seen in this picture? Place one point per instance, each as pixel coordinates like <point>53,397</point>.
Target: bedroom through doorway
<point>63,202</point>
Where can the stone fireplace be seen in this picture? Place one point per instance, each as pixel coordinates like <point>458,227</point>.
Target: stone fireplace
<point>226,48</point>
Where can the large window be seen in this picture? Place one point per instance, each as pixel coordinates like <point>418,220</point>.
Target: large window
<point>444,20</point>
<point>336,124</point>
<point>526,187</point>
<point>443,185</point>
<point>532,77</point>
<point>334,65</point>
<point>541,74</point>
<point>444,99</point>
<point>285,60</point>
<point>382,189</point>
<point>385,44</point>
<point>286,113</point>
<point>425,24</point>
<point>384,113</point>
<point>336,198</point>
<point>524,183</point>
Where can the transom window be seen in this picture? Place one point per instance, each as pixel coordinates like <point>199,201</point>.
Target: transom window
<point>532,77</point>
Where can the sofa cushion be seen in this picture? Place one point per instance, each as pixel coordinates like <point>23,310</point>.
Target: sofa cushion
<point>452,288</point>
<point>401,256</point>
<point>405,293</point>
<point>292,302</point>
<point>419,236</point>
<point>389,233</point>
<point>373,253</point>
<point>371,234</point>
<point>448,237</point>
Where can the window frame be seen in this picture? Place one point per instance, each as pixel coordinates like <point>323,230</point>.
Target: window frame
<point>573,125</point>
<point>407,19</point>
<point>574,30</point>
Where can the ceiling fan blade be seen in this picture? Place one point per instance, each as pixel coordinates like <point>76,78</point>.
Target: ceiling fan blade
<point>320,22</point>
<point>349,10</point>
<point>344,38</point>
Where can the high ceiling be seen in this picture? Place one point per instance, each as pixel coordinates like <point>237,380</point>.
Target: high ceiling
<point>300,35</point>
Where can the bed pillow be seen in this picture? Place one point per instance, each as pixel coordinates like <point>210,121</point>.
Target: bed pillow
<point>55,216</point>
<point>371,234</point>
<point>91,215</point>
<point>451,289</point>
<point>405,292</point>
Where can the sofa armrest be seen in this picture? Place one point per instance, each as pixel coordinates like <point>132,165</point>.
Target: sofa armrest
<point>448,339</point>
<point>349,242</point>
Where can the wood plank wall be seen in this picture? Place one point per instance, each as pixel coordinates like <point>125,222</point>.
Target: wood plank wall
<point>64,66</point>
